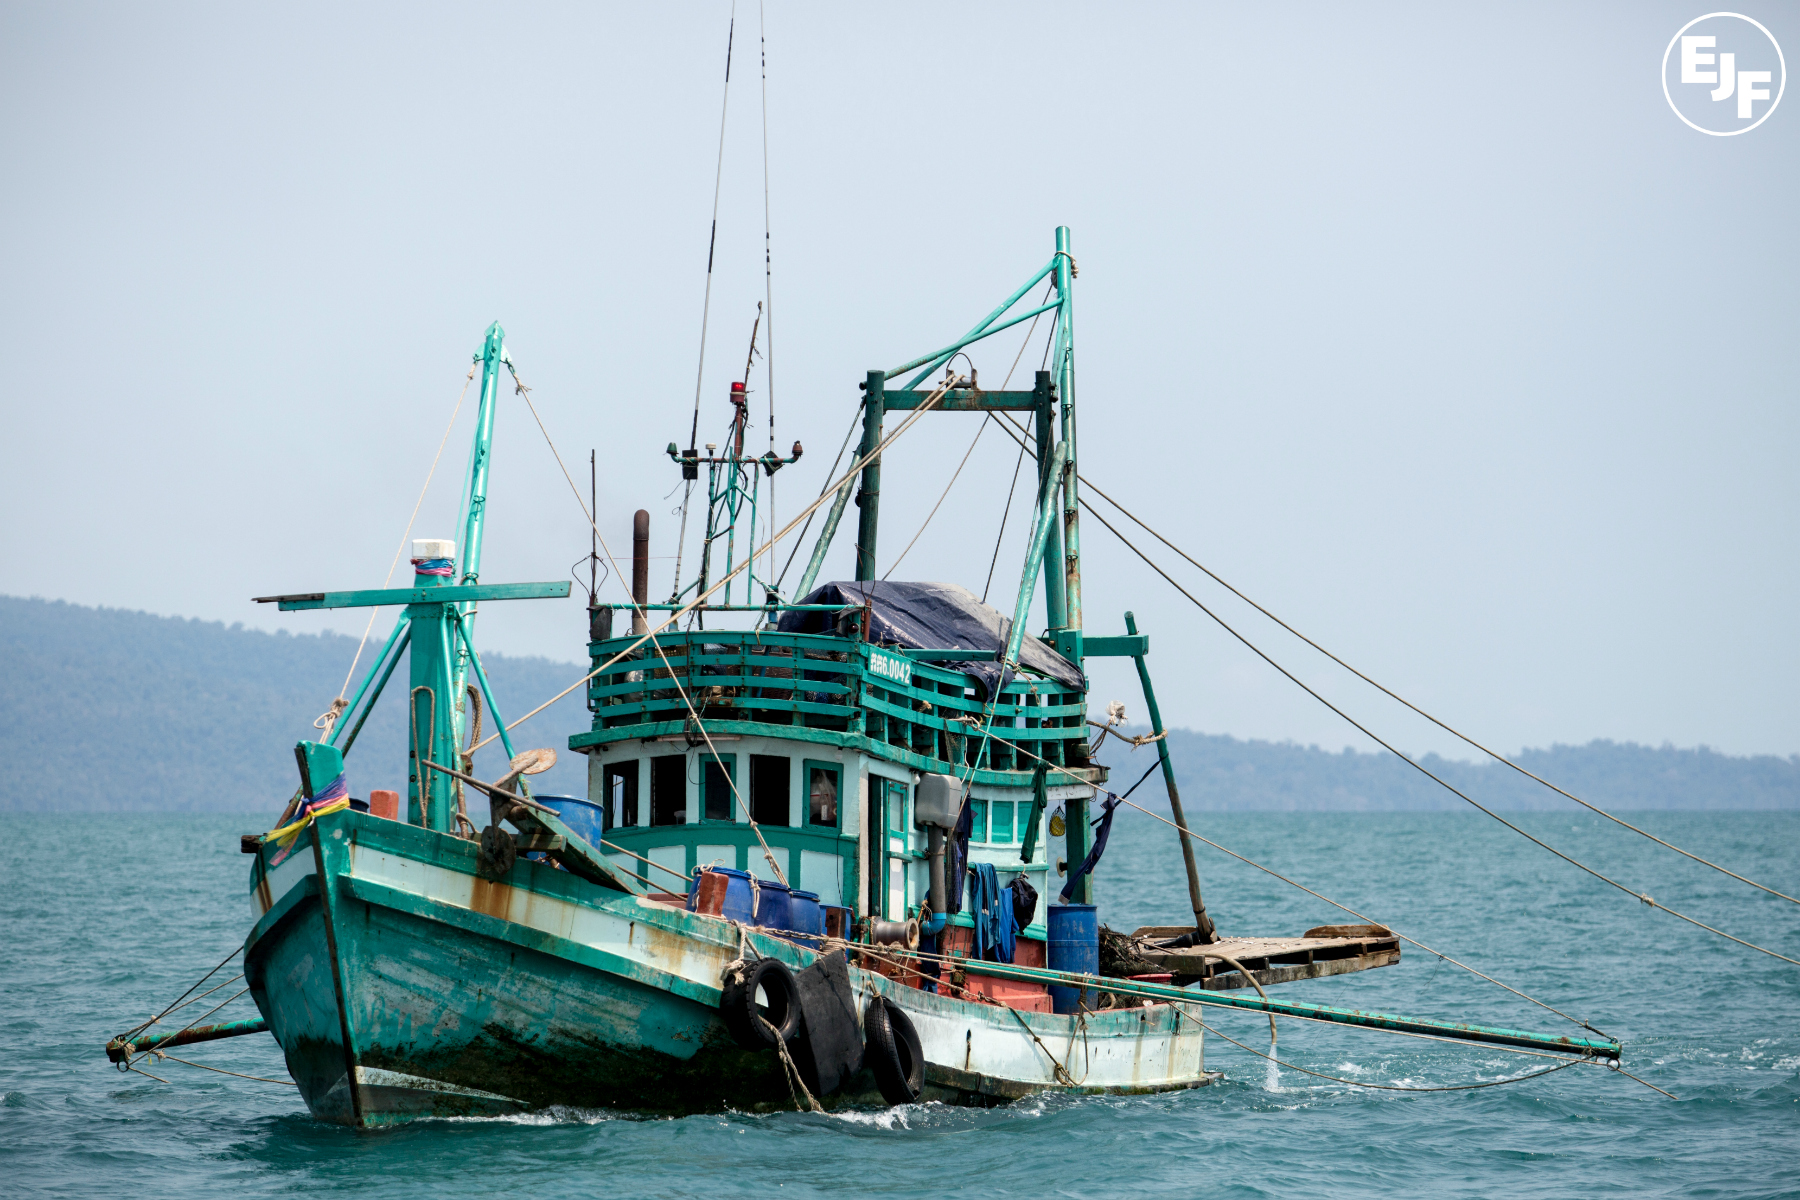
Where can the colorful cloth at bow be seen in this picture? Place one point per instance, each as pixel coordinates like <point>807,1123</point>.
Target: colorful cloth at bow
<point>333,798</point>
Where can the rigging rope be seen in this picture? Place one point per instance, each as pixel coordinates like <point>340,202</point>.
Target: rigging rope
<point>929,403</point>
<point>1270,871</point>
<point>1495,755</point>
<point>340,704</point>
<point>712,242</point>
<point>762,39</point>
<point>1644,897</point>
<point>855,419</point>
<point>940,500</point>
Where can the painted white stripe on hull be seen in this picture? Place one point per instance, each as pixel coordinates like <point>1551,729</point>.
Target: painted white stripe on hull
<point>1159,1051</point>
<point>280,881</point>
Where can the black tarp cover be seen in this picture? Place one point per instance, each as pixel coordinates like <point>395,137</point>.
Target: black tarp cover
<point>933,616</point>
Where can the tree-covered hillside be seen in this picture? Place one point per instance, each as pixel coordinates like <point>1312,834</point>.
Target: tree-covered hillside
<point>111,710</point>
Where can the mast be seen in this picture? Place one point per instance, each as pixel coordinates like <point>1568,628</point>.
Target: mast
<point>491,356</point>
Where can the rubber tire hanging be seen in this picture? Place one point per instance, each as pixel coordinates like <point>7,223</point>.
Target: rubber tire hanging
<point>781,1003</point>
<point>892,1052</point>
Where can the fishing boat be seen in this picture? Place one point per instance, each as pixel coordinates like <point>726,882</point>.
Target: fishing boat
<point>839,849</point>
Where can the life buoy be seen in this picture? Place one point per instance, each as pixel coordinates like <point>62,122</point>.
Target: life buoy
<point>780,1006</point>
<point>892,1052</point>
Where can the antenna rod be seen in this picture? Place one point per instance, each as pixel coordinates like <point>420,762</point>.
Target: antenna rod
<point>594,533</point>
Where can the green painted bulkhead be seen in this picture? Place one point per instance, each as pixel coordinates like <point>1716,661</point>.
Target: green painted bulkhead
<point>822,739</point>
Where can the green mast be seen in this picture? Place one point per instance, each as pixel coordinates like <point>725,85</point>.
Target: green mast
<point>434,629</point>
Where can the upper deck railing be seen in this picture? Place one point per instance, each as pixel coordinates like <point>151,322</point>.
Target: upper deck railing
<point>892,702</point>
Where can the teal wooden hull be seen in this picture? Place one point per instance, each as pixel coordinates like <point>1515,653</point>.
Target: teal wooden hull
<point>401,984</point>
<point>390,1006</point>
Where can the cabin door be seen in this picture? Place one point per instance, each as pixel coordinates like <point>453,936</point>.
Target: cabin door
<point>886,849</point>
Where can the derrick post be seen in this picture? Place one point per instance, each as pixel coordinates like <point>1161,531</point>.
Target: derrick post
<point>1203,924</point>
<point>1044,398</point>
<point>868,498</point>
<point>1068,639</point>
<point>431,724</point>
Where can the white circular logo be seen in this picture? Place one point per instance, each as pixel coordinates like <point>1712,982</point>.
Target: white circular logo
<point>1723,73</point>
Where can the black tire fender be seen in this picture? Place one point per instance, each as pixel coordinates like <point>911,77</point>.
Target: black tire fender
<point>892,1052</point>
<point>781,1003</point>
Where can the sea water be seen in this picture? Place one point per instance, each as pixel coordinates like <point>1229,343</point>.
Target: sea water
<point>104,918</point>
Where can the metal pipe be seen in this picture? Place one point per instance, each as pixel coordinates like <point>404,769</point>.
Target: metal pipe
<point>938,357</point>
<point>400,626</point>
<point>393,662</point>
<point>481,678</point>
<point>1070,563</point>
<point>1203,924</point>
<point>1595,1047</point>
<point>119,1049</point>
<point>640,570</point>
<point>817,561</point>
<point>1055,593</point>
<point>934,852</point>
<point>868,497</point>
<point>1034,555</point>
<point>933,361</point>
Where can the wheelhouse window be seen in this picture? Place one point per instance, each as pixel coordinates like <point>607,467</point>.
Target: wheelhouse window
<point>769,789</point>
<point>823,786</point>
<point>978,826</point>
<point>621,794</point>
<point>716,777</point>
<point>668,790</point>
<point>1001,823</point>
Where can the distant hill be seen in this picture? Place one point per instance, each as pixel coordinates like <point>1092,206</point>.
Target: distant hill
<point>105,709</point>
<point>1224,774</point>
<point>110,710</point>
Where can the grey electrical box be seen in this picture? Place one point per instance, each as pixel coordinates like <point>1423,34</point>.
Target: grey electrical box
<point>937,800</point>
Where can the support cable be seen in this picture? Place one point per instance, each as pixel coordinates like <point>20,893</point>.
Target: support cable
<point>712,242</point>
<point>1423,770</point>
<point>698,601</point>
<point>1270,871</point>
<point>1645,897</point>
<point>855,420</point>
<point>768,260</point>
<point>1390,693</point>
<point>650,636</point>
<point>330,718</point>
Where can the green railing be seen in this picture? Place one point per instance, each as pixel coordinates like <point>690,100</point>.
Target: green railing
<point>823,688</point>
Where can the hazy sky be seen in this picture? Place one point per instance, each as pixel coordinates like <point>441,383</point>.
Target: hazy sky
<point>1429,326</point>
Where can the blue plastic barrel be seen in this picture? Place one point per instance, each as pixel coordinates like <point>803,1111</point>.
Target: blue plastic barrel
<point>584,818</point>
<point>846,921</point>
<point>774,905</point>
<point>805,912</point>
<point>737,893</point>
<point>1073,945</point>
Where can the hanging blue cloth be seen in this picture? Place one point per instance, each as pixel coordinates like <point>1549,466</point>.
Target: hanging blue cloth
<point>991,907</point>
<point>1093,856</point>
